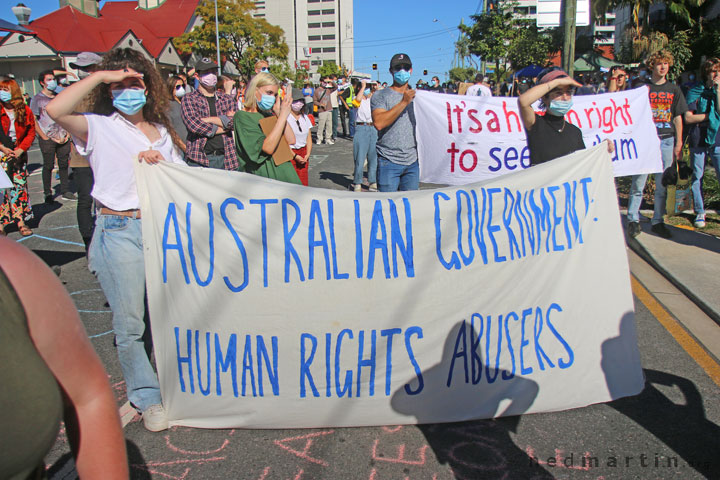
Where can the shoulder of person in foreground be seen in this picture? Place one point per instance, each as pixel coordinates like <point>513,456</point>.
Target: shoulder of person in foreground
<point>92,421</point>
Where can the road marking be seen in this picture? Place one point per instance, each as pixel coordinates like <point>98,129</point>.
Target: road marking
<point>66,242</point>
<point>692,347</point>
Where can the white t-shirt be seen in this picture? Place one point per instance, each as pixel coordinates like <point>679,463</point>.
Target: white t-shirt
<point>334,99</point>
<point>479,90</point>
<point>364,115</point>
<point>301,131</point>
<point>112,147</point>
<point>11,131</point>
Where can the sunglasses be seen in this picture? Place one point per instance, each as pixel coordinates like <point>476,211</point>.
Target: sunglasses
<point>405,67</point>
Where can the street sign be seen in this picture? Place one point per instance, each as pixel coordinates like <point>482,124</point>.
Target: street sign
<point>548,13</point>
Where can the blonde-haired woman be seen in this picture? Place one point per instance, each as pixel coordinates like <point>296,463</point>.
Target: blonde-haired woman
<point>254,148</point>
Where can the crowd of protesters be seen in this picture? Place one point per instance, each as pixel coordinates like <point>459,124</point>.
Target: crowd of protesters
<point>122,109</point>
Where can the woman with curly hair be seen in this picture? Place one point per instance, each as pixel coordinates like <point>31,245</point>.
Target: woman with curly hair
<point>129,121</point>
<point>16,136</point>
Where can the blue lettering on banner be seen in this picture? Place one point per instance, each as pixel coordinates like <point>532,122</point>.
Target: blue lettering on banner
<point>211,245</point>
<point>172,217</point>
<point>467,346</point>
<point>263,228</point>
<point>241,247</point>
<point>195,359</point>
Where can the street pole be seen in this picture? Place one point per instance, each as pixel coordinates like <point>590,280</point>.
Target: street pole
<point>568,58</point>
<point>217,41</point>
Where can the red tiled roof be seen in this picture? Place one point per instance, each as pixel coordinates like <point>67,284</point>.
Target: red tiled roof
<point>68,30</point>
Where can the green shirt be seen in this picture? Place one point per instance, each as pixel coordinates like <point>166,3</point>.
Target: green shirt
<point>249,139</point>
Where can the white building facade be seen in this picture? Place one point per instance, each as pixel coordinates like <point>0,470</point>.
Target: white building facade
<point>315,30</point>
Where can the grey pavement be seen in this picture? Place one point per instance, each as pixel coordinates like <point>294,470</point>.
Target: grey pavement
<point>690,260</point>
<point>670,430</point>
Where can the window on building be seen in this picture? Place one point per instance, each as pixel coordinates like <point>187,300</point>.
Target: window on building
<point>329,11</point>
<point>314,37</point>
<point>328,0</point>
<point>316,62</point>
<point>313,12</point>
<point>328,24</point>
<point>328,50</point>
<point>259,15</point>
<point>329,37</point>
<point>313,1</point>
<point>313,25</point>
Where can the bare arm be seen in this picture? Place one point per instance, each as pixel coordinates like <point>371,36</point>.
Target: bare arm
<point>92,420</point>
<point>677,126</point>
<point>385,118</point>
<point>526,100</point>
<point>62,107</point>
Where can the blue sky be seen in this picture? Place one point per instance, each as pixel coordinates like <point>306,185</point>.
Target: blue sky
<point>381,29</point>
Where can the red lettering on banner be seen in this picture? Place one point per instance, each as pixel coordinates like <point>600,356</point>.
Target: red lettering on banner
<point>474,164</point>
<point>494,123</point>
<point>510,114</point>
<point>577,122</point>
<point>471,114</point>
<point>458,110</point>
<point>452,151</point>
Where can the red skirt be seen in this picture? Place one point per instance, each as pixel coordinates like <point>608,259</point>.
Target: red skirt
<point>301,168</point>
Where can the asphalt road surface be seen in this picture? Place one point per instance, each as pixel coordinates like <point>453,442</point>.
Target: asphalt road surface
<point>670,430</point>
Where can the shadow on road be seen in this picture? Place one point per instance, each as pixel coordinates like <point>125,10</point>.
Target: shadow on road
<point>478,448</point>
<point>337,178</point>
<point>58,257</point>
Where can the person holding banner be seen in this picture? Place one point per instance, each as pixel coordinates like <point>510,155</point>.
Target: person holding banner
<point>255,148</point>
<point>394,118</point>
<point>129,123</point>
<point>550,136</point>
<point>668,107</point>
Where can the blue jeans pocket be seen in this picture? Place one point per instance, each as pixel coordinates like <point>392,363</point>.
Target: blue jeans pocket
<point>114,223</point>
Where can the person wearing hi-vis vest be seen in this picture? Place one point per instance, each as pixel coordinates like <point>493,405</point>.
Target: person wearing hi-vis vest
<point>347,96</point>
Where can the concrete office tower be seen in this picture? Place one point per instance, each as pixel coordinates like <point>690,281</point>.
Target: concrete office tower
<point>315,30</point>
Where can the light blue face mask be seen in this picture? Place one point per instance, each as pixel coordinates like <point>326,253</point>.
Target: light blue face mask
<point>5,96</point>
<point>401,77</point>
<point>559,107</point>
<point>129,100</point>
<point>366,92</point>
<point>266,102</point>
<point>51,85</point>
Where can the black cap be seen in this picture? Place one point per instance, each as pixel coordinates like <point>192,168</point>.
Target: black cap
<point>400,59</point>
<point>205,64</point>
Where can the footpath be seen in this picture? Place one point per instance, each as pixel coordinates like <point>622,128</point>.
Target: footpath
<point>690,260</point>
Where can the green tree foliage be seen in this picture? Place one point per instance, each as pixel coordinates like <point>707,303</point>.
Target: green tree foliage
<point>679,46</point>
<point>329,67</point>
<point>499,37</point>
<point>243,39</point>
<point>460,74</point>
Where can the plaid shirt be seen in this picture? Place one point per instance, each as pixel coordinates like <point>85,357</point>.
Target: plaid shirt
<point>194,107</point>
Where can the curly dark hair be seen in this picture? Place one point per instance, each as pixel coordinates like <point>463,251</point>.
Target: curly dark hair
<point>158,97</point>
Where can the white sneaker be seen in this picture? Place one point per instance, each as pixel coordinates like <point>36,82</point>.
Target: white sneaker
<point>319,142</point>
<point>357,187</point>
<point>699,223</point>
<point>155,419</point>
<point>330,142</point>
<point>373,187</point>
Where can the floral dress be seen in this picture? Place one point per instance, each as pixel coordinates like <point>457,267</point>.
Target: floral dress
<point>15,205</point>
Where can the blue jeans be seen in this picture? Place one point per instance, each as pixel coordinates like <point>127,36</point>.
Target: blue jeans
<point>335,119</point>
<point>699,155</point>
<point>351,121</point>
<point>638,185</point>
<point>364,147</point>
<point>393,177</point>
<point>116,257</point>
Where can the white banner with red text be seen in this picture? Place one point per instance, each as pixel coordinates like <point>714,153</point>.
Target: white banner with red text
<point>280,306</point>
<point>464,139</point>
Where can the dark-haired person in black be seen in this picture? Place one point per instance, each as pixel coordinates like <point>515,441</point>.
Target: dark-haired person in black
<point>550,135</point>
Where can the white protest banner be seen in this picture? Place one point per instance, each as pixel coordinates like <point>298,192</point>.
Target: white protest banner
<point>5,181</point>
<point>465,139</point>
<point>279,306</point>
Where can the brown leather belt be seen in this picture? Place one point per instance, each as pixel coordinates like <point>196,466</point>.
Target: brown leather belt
<point>363,123</point>
<point>120,213</point>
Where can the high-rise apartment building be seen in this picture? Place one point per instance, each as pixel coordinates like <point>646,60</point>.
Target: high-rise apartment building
<point>315,30</point>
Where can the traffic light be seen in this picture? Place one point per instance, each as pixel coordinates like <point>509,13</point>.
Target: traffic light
<point>374,66</point>
<point>424,72</point>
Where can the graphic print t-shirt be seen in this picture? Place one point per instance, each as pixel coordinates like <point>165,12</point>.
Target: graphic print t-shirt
<point>667,102</point>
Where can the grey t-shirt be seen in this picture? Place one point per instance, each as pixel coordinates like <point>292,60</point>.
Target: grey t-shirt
<point>396,142</point>
<point>52,130</point>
